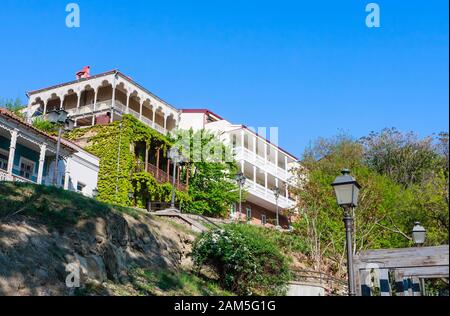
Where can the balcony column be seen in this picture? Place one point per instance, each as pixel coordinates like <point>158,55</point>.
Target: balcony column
<point>165,120</point>
<point>45,107</point>
<point>287,191</point>
<point>286,164</point>
<point>128,102</point>
<point>254,176</point>
<point>266,182</point>
<point>141,104</point>
<point>95,106</point>
<point>66,175</point>
<point>78,100</point>
<point>61,106</point>
<point>158,154</point>
<point>113,103</point>
<point>154,117</point>
<point>12,151</point>
<point>265,153</point>
<point>147,149</point>
<point>255,152</point>
<point>168,170</point>
<point>242,140</point>
<point>276,160</point>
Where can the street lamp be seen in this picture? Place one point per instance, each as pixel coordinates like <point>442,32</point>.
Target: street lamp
<point>418,234</point>
<point>95,193</point>
<point>59,118</point>
<point>347,191</point>
<point>276,192</point>
<point>176,157</point>
<point>240,179</point>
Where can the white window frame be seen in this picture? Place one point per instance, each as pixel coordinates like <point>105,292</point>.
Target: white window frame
<point>263,219</point>
<point>83,185</point>
<point>248,213</point>
<point>30,162</point>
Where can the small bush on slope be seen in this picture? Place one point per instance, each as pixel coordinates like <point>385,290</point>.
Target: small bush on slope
<point>247,262</point>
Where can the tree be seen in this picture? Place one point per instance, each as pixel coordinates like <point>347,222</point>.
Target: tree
<point>14,106</point>
<point>402,156</point>
<point>212,187</point>
<point>390,200</point>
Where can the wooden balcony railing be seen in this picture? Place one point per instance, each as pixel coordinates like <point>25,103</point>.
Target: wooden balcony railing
<point>161,176</point>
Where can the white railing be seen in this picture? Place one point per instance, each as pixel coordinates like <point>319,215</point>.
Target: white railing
<point>261,192</point>
<point>101,106</point>
<point>4,176</point>
<point>245,154</point>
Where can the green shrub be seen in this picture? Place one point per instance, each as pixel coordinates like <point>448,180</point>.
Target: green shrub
<point>246,262</point>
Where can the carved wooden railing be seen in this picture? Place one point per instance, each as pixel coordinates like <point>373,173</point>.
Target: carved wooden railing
<point>160,175</point>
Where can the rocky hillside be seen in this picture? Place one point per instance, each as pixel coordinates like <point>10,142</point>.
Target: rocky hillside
<point>46,232</point>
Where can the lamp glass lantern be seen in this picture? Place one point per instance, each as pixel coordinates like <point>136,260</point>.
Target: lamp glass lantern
<point>276,192</point>
<point>418,234</point>
<point>240,178</point>
<point>95,192</point>
<point>346,189</point>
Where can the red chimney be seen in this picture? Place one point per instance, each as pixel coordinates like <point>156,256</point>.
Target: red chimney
<point>85,73</point>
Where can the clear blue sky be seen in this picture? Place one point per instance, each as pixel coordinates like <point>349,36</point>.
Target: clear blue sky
<point>311,68</point>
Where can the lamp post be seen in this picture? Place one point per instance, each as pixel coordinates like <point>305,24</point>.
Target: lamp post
<point>240,179</point>
<point>347,191</point>
<point>176,157</point>
<point>59,118</point>
<point>276,192</point>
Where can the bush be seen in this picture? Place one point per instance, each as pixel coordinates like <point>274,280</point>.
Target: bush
<point>246,262</point>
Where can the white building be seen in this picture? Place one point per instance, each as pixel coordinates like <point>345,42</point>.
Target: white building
<point>28,155</point>
<point>264,164</point>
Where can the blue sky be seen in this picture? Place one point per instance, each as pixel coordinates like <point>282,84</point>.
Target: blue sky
<point>312,68</point>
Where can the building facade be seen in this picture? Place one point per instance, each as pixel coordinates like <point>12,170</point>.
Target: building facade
<point>28,155</point>
<point>264,165</point>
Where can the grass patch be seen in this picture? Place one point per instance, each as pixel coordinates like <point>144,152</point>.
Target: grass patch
<point>53,206</point>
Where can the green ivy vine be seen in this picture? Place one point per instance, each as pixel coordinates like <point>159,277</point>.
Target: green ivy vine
<point>114,144</point>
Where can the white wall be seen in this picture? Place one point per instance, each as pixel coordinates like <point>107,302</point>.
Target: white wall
<point>83,168</point>
<point>196,121</point>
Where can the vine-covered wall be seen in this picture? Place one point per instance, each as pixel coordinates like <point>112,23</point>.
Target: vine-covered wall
<point>114,144</point>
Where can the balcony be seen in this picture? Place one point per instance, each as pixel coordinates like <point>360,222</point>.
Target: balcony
<point>161,176</point>
<point>261,163</point>
<point>261,192</point>
<point>4,176</point>
<point>105,106</point>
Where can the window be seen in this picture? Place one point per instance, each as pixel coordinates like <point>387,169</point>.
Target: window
<point>80,187</point>
<point>26,168</point>
<point>263,220</point>
<point>3,159</point>
<point>249,213</point>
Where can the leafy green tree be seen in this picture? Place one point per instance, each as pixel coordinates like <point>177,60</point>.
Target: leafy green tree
<point>14,106</point>
<point>391,199</point>
<point>212,187</point>
<point>402,156</point>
